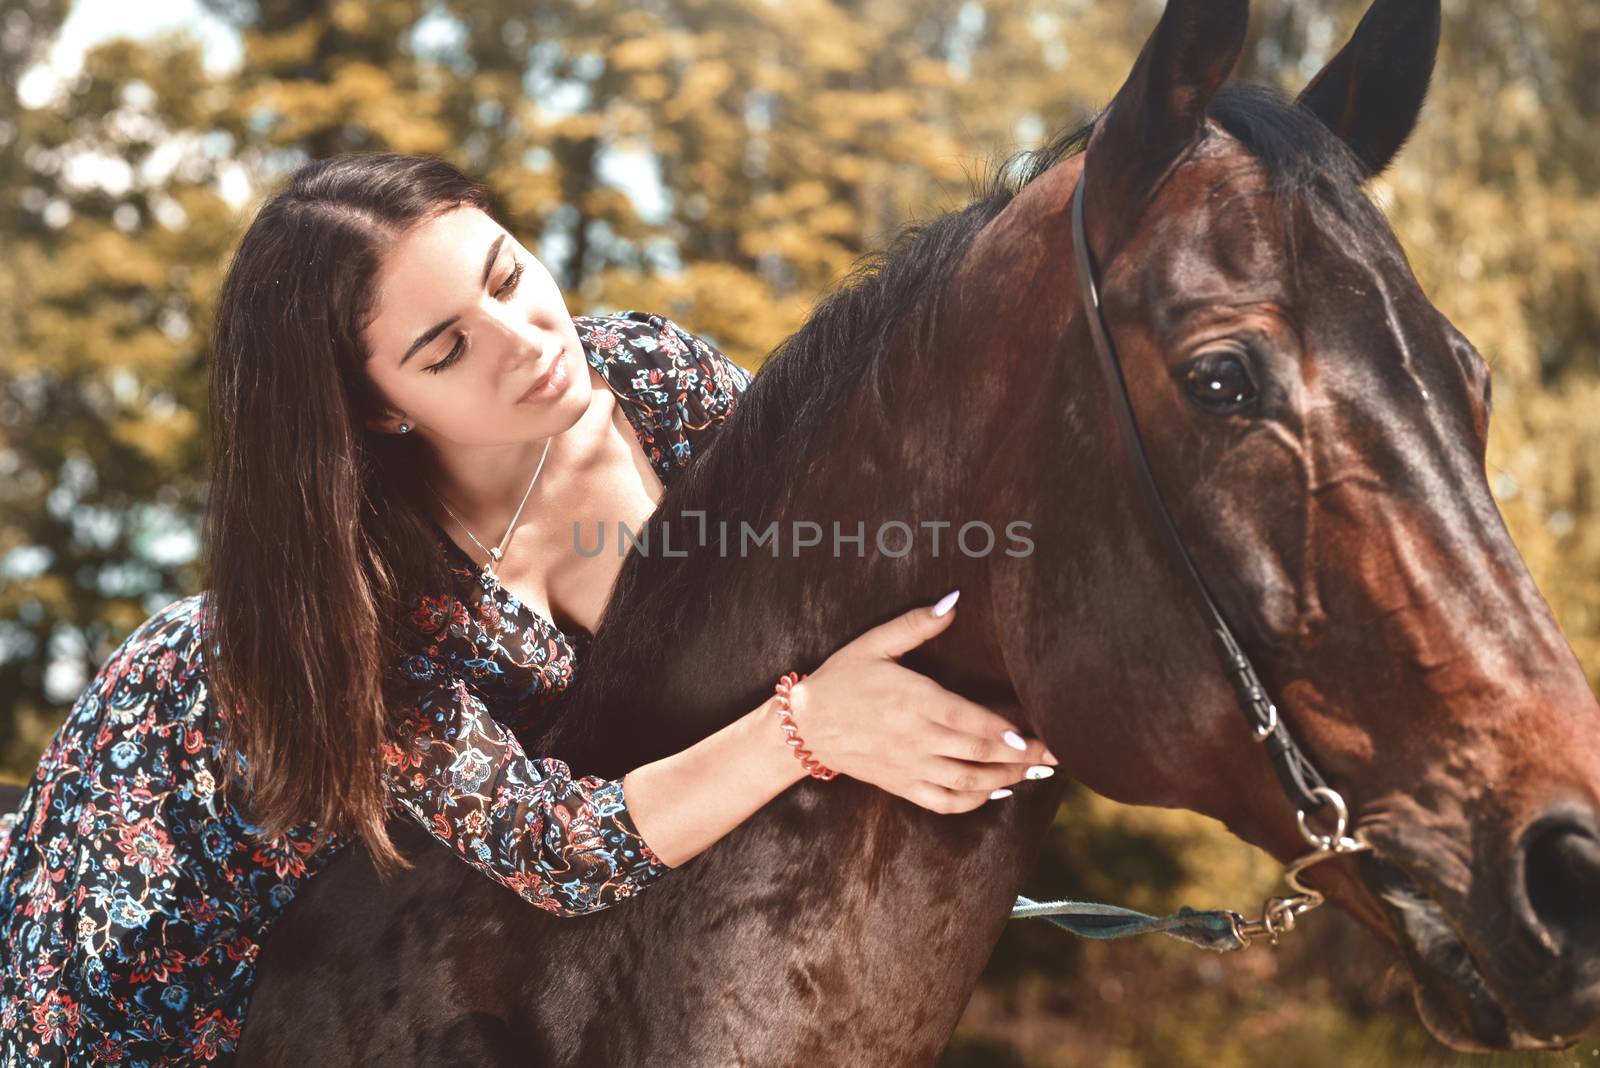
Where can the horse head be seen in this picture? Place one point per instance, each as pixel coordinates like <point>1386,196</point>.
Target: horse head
<point>1317,429</point>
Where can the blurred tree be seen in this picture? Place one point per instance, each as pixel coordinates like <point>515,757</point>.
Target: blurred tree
<point>26,32</point>
<point>102,280</point>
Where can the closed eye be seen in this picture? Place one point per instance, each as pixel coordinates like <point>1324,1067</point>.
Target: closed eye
<point>507,288</point>
<point>510,284</point>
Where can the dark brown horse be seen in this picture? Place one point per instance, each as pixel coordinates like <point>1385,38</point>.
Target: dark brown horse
<point>1318,430</point>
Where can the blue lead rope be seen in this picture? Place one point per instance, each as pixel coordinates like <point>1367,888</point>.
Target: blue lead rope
<point>1212,930</point>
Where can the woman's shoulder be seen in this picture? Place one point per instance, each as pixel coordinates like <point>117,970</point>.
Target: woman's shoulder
<point>636,330</point>
<point>170,642</point>
<point>623,344</point>
<point>671,371</point>
<point>180,623</point>
<point>642,339</point>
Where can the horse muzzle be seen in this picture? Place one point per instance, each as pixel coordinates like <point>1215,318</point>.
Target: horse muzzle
<point>1513,960</point>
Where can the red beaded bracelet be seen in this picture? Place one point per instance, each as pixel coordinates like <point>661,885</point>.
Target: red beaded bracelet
<point>792,732</point>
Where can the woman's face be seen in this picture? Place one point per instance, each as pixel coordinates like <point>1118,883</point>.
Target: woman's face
<point>468,323</point>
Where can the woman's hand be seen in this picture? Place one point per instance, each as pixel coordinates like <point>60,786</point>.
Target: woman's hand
<point>864,715</point>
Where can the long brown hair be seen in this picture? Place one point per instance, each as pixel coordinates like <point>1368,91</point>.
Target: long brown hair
<point>315,542</point>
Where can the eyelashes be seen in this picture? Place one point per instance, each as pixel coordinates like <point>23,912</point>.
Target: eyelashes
<point>507,287</point>
<point>511,280</point>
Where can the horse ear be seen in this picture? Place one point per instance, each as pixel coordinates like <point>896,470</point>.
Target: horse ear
<point>1371,92</point>
<point>1161,107</point>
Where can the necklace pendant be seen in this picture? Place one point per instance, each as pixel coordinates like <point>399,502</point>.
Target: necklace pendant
<point>495,554</point>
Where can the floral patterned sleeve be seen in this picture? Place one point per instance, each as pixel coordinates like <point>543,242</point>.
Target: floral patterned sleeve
<point>565,844</point>
<point>714,382</point>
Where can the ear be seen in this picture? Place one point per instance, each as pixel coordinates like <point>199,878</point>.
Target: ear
<point>1159,110</point>
<point>383,423</point>
<point>1371,92</point>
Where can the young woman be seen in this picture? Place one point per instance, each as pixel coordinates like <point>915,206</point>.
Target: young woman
<point>407,422</point>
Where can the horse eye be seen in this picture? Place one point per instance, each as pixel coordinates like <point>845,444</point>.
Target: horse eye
<point>1220,381</point>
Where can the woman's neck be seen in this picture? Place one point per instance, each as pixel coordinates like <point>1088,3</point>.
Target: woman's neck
<point>483,484</point>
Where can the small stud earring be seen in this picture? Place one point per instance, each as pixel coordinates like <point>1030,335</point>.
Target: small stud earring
<point>405,428</point>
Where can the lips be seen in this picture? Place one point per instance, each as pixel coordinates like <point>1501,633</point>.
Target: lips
<point>539,383</point>
<point>1452,996</point>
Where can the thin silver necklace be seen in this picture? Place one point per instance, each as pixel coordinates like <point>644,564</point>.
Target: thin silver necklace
<point>498,551</point>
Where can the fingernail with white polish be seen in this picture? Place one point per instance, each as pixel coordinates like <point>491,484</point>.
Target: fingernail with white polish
<point>1014,740</point>
<point>1039,771</point>
<point>998,794</point>
<point>945,603</point>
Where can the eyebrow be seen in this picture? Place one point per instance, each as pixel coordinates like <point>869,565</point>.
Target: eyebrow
<point>433,332</point>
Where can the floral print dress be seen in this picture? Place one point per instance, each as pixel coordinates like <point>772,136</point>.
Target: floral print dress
<point>135,898</point>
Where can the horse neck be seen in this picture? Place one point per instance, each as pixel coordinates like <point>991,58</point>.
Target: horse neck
<point>921,898</point>
<point>705,635</point>
<point>891,897</point>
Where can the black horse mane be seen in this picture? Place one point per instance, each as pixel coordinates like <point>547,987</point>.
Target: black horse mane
<point>842,351</point>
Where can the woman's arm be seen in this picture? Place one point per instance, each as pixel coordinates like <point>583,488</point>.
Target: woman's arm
<point>684,803</point>
<point>864,715</point>
<point>572,845</point>
<point>566,844</point>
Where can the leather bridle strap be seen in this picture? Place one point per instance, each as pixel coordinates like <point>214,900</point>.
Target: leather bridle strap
<point>1305,786</point>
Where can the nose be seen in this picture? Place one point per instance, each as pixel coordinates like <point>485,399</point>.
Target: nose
<point>1561,869</point>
